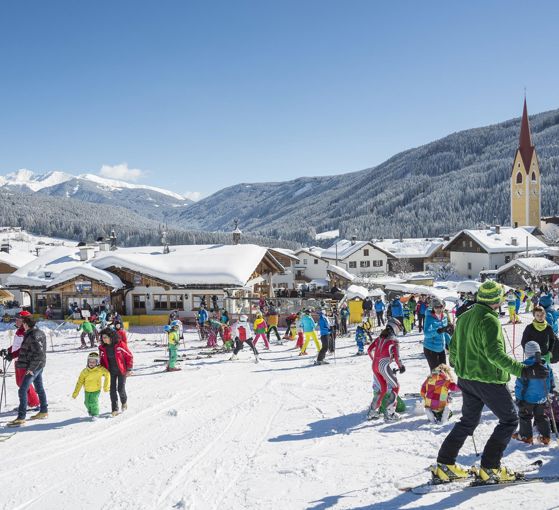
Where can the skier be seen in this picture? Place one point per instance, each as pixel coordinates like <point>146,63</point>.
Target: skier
<point>360,339</point>
<point>290,330</point>
<point>551,314</point>
<point>87,329</point>
<point>541,332</point>
<point>511,305</point>
<point>412,305</point>
<point>299,330</point>
<point>32,358</point>
<point>334,327</point>
<point>421,310</point>
<point>344,317</point>
<point>531,398</point>
<point>528,295</point>
<point>260,328</point>
<point>436,334</point>
<point>367,307</point>
<point>435,392</point>
<point>118,360</point>
<point>121,332</point>
<point>397,311</point>
<point>477,353</point>
<point>226,330</point>
<point>241,332</point>
<point>325,337</point>
<point>13,352</point>
<point>173,341</point>
<point>309,332</point>
<point>201,319</point>
<point>379,310</point>
<point>91,379</point>
<point>273,319</point>
<point>383,351</point>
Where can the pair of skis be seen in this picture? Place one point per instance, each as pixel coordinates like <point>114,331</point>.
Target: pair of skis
<point>472,483</point>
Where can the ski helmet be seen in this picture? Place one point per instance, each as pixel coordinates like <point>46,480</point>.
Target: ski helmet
<point>93,356</point>
<point>436,303</point>
<point>167,328</point>
<point>243,318</point>
<point>176,324</point>
<point>395,325</point>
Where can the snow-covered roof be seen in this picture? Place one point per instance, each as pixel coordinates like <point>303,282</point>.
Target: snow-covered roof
<point>330,234</point>
<point>222,264</point>
<point>358,291</point>
<point>286,252</point>
<point>535,265</point>
<point>345,248</point>
<point>315,251</point>
<point>493,242</point>
<point>58,265</point>
<point>340,271</point>
<point>15,258</point>
<point>410,248</point>
<point>230,265</point>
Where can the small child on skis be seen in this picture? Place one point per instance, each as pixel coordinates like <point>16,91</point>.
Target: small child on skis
<point>173,340</point>
<point>241,332</point>
<point>383,351</point>
<point>260,329</point>
<point>435,392</point>
<point>531,398</point>
<point>91,378</point>
<point>360,339</point>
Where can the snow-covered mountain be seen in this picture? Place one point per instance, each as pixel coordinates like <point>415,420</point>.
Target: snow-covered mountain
<point>148,201</point>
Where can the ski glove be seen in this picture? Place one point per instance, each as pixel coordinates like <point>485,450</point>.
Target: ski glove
<point>442,330</point>
<point>535,371</point>
<point>402,369</point>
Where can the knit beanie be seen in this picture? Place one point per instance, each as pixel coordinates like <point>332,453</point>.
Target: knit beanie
<point>490,293</point>
<point>531,348</point>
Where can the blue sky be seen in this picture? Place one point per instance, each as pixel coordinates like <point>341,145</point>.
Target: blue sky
<point>199,95</point>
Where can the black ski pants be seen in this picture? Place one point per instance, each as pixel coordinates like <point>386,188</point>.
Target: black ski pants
<point>434,358</point>
<point>326,341</point>
<point>475,395</point>
<point>420,321</point>
<point>527,412</point>
<point>239,346</point>
<point>275,330</point>
<point>344,326</point>
<point>380,319</point>
<point>118,388</point>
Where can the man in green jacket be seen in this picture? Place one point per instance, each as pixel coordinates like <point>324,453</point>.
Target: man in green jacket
<point>477,353</point>
<point>88,329</point>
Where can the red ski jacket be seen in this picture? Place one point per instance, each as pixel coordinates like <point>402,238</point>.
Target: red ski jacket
<point>124,358</point>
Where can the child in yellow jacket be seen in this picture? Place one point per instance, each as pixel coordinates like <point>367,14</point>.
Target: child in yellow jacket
<point>90,377</point>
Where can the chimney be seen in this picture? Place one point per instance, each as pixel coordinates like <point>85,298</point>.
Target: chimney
<point>353,240</point>
<point>85,253</point>
<point>237,233</point>
<point>514,241</point>
<point>497,229</point>
<point>112,239</point>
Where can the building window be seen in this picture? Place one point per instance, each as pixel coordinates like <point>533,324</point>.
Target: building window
<point>533,176</point>
<point>470,243</point>
<point>139,301</point>
<point>507,259</point>
<point>463,243</point>
<point>519,178</point>
<point>377,263</point>
<point>366,252</point>
<point>197,300</point>
<point>305,262</point>
<point>353,265</point>
<point>167,302</point>
<point>316,261</point>
<point>469,265</point>
<point>365,263</point>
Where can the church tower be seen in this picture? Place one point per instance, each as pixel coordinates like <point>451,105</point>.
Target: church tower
<point>525,180</point>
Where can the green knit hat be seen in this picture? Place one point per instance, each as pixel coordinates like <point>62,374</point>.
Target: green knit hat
<point>490,293</point>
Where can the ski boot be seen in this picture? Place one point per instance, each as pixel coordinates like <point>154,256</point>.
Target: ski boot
<point>18,422</point>
<point>359,353</point>
<point>256,359</point>
<point>444,473</point>
<point>391,416</point>
<point>124,407</point>
<point>373,414</point>
<point>233,357</point>
<point>527,440</point>
<point>544,440</point>
<point>114,413</point>
<point>39,416</point>
<point>496,475</point>
<point>303,353</point>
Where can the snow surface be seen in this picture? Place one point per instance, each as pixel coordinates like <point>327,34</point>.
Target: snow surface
<point>538,265</point>
<point>281,434</point>
<point>113,184</point>
<point>503,241</point>
<point>410,248</point>
<point>330,234</point>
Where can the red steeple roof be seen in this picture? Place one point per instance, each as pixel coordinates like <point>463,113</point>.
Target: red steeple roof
<point>525,144</point>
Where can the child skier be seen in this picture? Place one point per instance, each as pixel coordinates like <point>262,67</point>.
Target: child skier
<point>531,398</point>
<point>118,360</point>
<point>511,305</point>
<point>309,331</point>
<point>241,333</point>
<point>90,378</point>
<point>88,330</point>
<point>173,340</point>
<point>383,351</point>
<point>260,328</point>
<point>360,339</point>
<point>435,392</point>
<point>299,330</point>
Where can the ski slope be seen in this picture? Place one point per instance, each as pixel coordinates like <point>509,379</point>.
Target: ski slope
<point>281,434</point>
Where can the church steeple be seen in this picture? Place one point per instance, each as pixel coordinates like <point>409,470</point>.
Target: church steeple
<point>525,179</point>
<point>525,143</point>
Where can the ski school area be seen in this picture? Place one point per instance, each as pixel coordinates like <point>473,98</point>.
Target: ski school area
<point>282,433</point>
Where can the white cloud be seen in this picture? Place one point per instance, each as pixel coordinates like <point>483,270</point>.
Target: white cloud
<point>193,195</point>
<point>121,172</point>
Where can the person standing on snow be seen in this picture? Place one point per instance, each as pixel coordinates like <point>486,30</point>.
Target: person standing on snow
<point>309,332</point>
<point>91,378</point>
<point>397,311</point>
<point>541,332</point>
<point>383,351</point>
<point>437,334</point>
<point>477,353</point>
<point>241,333</point>
<point>32,359</point>
<point>344,317</point>
<point>367,307</point>
<point>260,328</point>
<point>379,310</point>
<point>421,310</point>
<point>273,319</point>
<point>325,337</point>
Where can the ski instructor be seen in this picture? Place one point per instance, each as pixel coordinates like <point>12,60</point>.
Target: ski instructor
<point>477,353</point>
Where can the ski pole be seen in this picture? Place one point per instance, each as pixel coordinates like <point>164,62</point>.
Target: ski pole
<point>475,447</point>
<point>3,393</point>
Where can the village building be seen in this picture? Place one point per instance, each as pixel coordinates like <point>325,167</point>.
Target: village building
<point>413,255</point>
<point>360,258</point>
<point>472,251</point>
<point>528,271</point>
<point>145,280</point>
<point>312,267</point>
